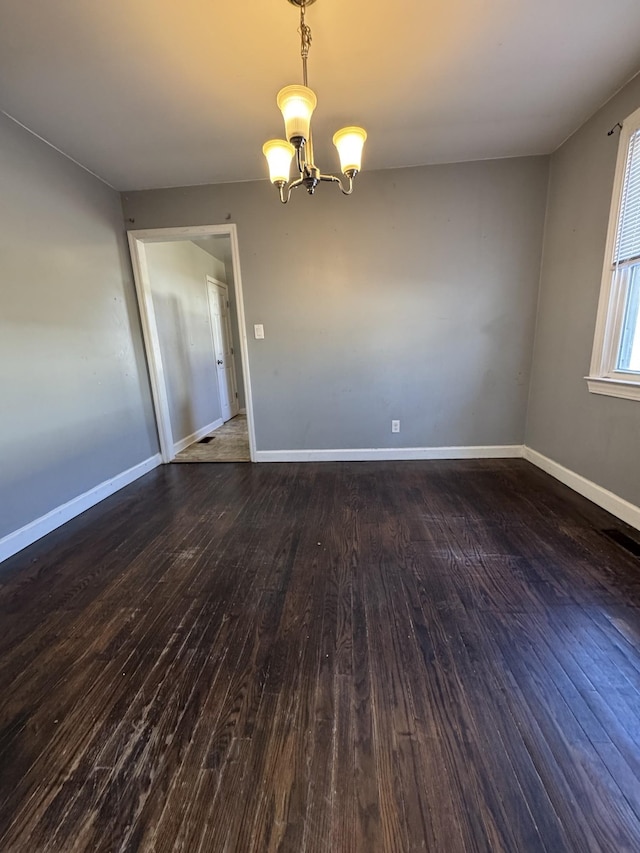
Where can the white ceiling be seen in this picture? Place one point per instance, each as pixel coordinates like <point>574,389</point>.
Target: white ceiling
<point>156,93</point>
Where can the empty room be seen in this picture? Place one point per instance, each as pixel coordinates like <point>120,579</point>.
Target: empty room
<point>400,248</point>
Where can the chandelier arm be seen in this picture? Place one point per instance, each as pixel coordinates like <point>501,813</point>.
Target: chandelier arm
<point>334,180</point>
<point>286,189</point>
<point>301,160</point>
<point>309,150</point>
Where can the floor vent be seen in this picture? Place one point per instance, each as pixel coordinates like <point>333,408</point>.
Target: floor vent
<point>206,439</point>
<point>625,541</point>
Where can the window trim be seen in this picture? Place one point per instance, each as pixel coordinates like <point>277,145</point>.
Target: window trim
<point>603,376</point>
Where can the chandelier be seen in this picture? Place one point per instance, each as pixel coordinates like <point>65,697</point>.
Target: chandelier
<point>297,104</point>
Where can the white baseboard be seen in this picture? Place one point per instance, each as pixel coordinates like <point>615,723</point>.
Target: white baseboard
<point>27,535</point>
<point>506,451</point>
<point>614,504</point>
<point>617,506</point>
<point>622,509</point>
<point>196,436</point>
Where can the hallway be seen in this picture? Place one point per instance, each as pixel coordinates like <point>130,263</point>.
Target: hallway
<point>229,443</point>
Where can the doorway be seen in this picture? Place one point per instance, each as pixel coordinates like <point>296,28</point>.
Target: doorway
<point>219,304</point>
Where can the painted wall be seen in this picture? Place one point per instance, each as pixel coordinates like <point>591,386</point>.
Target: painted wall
<point>595,436</point>
<point>413,299</point>
<point>75,406</point>
<point>177,272</point>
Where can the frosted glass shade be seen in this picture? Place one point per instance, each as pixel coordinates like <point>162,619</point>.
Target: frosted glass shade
<point>278,153</point>
<point>297,104</point>
<point>349,142</point>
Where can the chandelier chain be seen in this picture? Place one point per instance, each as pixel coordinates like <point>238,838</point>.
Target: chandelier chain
<point>305,42</point>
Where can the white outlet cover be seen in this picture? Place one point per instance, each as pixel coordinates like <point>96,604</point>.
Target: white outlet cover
<point>258,331</point>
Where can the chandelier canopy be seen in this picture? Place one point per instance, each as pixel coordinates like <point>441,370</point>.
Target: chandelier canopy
<point>297,103</point>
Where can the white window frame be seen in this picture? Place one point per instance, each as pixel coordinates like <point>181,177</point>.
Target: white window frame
<point>603,377</point>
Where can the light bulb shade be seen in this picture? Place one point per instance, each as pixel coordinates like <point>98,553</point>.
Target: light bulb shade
<point>297,104</point>
<point>349,142</point>
<point>278,153</point>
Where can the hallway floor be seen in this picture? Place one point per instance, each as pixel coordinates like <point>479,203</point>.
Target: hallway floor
<point>229,443</point>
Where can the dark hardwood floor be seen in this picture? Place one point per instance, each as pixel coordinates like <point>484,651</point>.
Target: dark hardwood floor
<point>420,656</point>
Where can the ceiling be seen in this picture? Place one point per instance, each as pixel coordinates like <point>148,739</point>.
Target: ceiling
<point>155,93</point>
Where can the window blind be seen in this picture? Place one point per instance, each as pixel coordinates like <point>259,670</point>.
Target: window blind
<point>628,236</point>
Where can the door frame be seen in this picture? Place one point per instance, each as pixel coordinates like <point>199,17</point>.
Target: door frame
<point>233,402</point>
<point>137,242</point>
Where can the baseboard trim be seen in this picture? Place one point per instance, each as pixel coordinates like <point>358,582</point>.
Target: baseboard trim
<point>181,445</point>
<point>617,506</point>
<point>621,508</point>
<point>506,451</point>
<point>30,533</point>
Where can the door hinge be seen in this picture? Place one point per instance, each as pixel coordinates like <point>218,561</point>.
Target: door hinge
<point>232,353</point>
<point>236,394</point>
<point>227,303</point>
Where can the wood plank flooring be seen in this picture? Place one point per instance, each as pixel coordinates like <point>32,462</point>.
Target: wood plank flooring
<point>420,656</point>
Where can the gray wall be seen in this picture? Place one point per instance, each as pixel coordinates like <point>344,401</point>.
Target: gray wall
<point>177,272</point>
<point>413,299</point>
<point>74,392</point>
<point>596,436</point>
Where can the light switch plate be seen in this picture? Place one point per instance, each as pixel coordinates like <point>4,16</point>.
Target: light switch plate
<point>258,331</point>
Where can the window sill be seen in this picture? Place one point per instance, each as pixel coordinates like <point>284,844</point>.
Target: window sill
<point>628,390</point>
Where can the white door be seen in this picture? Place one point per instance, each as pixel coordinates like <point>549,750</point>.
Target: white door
<point>222,347</point>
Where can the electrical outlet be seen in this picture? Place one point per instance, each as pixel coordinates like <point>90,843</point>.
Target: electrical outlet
<point>395,426</point>
<point>258,331</point>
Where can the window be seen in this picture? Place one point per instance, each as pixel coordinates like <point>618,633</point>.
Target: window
<point>615,366</point>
